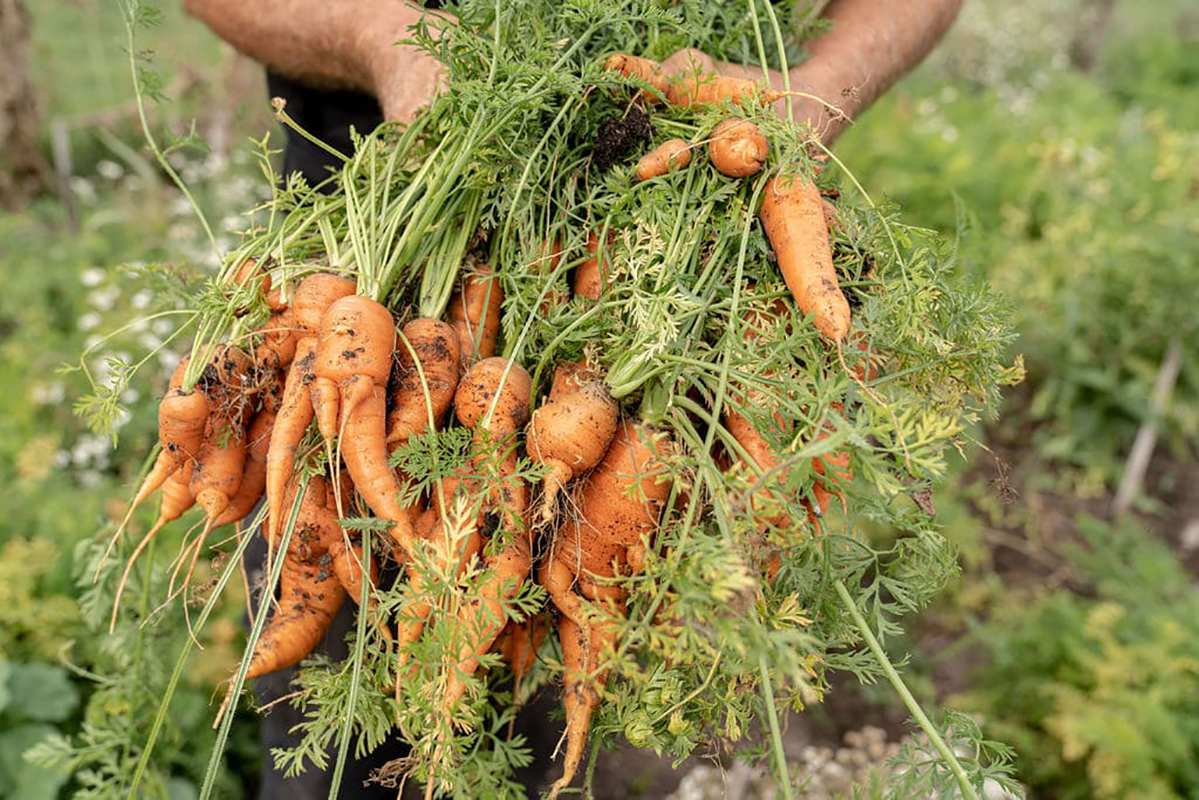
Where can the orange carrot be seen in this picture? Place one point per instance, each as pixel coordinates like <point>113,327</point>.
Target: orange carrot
<point>569,435</point>
<point>310,593</point>
<point>617,510</point>
<point>591,276</point>
<point>253,478</point>
<point>279,337</point>
<point>313,297</point>
<point>218,472</point>
<point>353,359</point>
<point>474,312</point>
<point>519,642</point>
<point>436,348</point>
<point>794,223</point>
<point>295,413</point>
<point>642,69</point>
<point>737,148</point>
<point>697,89</point>
<point>671,154</point>
<point>493,401</point>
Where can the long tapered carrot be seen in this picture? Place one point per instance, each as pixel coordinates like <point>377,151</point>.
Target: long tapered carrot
<point>793,219</point>
<point>295,414</point>
<point>253,479</point>
<point>310,593</point>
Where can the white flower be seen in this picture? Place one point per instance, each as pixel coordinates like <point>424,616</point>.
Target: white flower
<point>141,299</point>
<point>92,276</point>
<point>62,459</point>
<point>104,299</point>
<point>83,189</point>
<point>89,479</point>
<point>110,169</point>
<point>88,321</point>
<point>162,326</point>
<point>47,394</point>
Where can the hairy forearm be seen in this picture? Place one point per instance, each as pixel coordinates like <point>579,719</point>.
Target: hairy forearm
<point>870,46</point>
<point>342,44</point>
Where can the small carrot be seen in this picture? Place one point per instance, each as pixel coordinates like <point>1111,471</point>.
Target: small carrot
<point>279,337</point>
<point>617,508</point>
<point>435,346</point>
<point>569,435</point>
<point>591,276</point>
<point>737,148</point>
<point>671,154</point>
<point>312,298</point>
<point>794,223</point>
<point>253,479</point>
<point>698,90</point>
<point>474,312</point>
<point>642,69</point>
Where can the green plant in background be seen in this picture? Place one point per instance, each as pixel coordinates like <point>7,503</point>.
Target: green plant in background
<point>1084,206</point>
<point>1098,691</point>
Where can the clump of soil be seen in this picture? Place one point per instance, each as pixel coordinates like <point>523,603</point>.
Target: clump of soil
<point>618,135</point>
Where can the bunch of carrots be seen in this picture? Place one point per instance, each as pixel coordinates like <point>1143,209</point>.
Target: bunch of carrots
<point>371,345</point>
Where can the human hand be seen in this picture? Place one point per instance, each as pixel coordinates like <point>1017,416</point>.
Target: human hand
<point>404,77</point>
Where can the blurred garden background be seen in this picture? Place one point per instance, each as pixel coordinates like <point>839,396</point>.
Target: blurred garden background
<point>1056,143</point>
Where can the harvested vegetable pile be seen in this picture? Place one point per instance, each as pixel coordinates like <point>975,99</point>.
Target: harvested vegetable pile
<point>590,349</point>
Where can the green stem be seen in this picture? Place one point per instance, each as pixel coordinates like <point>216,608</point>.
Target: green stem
<point>264,611</point>
<point>347,728</point>
<point>776,738</point>
<point>180,663</point>
<point>901,689</point>
<point>131,9</point>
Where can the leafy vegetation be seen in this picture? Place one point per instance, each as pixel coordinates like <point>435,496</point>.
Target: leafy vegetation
<point>1074,196</point>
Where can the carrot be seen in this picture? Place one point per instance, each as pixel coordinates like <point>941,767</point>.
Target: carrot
<point>312,298</point>
<point>502,388</point>
<point>591,275</point>
<point>485,616</point>
<point>617,508</point>
<point>436,348</point>
<point>642,69</point>
<point>349,395</point>
<point>697,89</point>
<point>253,478</point>
<point>278,346</point>
<point>737,148</point>
<point>569,435</point>
<point>474,312</point>
<point>493,401</point>
<point>671,154</point>
<point>794,222</point>
<point>519,642</point>
<point>181,418</point>
<point>353,359</point>
<point>582,683</point>
<point>176,499</point>
<point>295,413</point>
<point>218,472</point>
<point>310,593</point>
